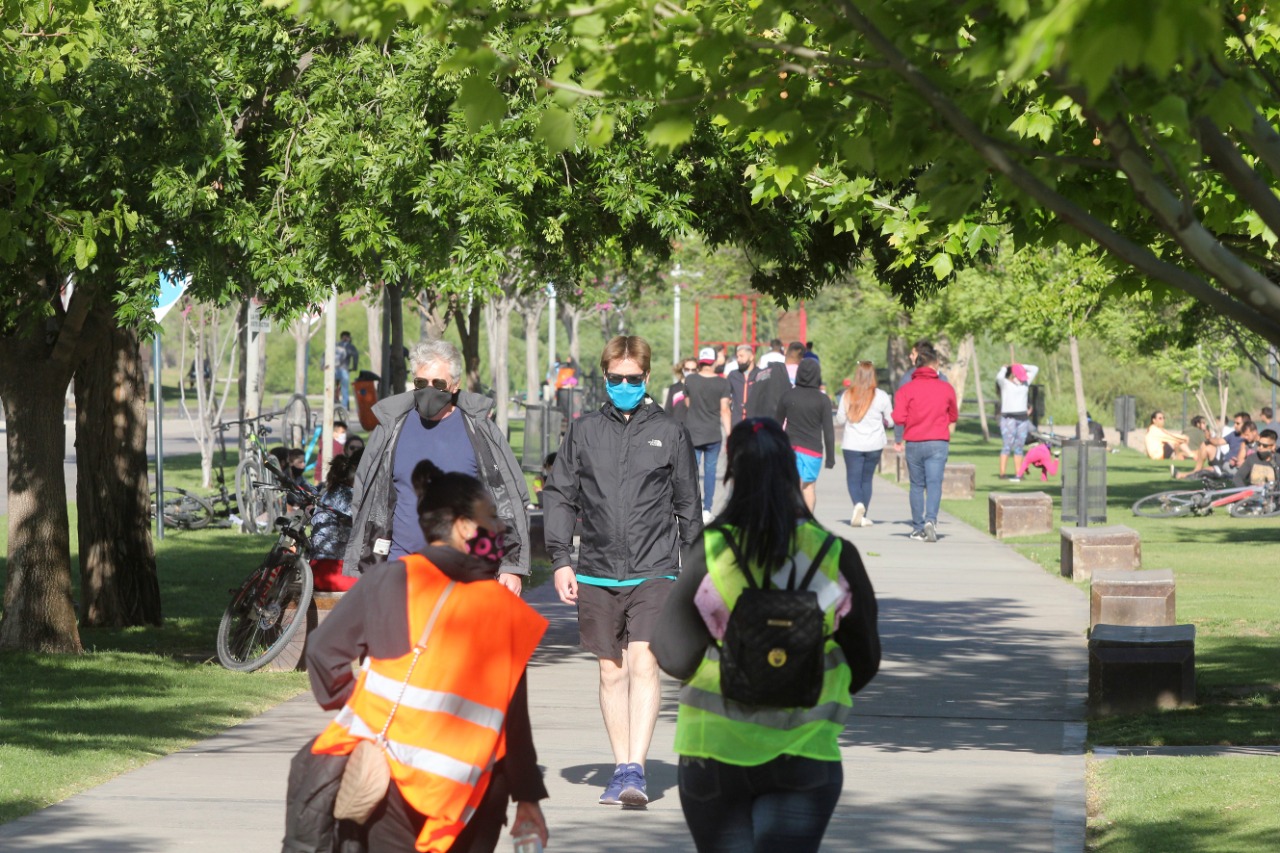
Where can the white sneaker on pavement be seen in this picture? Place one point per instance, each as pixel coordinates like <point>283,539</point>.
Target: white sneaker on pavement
<point>858,512</point>
<point>706,516</point>
<point>866,522</point>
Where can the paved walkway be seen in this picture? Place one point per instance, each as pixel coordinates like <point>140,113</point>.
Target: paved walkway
<point>969,739</point>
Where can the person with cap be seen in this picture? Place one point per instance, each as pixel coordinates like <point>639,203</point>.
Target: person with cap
<point>1014,381</point>
<point>708,421</point>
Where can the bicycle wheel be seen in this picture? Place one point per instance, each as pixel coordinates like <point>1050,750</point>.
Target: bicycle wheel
<point>184,510</point>
<point>255,505</point>
<point>1256,506</point>
<point>1169,504</point>
<point>340,413</point>
<point>297,421</point>
<point>265,612</point>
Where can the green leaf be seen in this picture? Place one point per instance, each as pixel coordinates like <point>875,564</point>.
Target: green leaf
<point>941,264</point>
<point>481,102</point>
<point>556,130</point>
<point>671,132</point>
<point>601,132</point>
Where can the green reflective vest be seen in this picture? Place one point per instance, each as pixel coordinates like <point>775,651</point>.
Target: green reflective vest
<point>711,726</point>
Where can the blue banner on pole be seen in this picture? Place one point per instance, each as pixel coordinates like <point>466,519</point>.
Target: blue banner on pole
<point>171,290</point>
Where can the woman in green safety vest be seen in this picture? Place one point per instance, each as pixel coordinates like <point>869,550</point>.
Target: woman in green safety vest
<point>756,778</point>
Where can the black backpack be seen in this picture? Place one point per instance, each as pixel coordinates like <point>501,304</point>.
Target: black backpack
<point>773,648</point>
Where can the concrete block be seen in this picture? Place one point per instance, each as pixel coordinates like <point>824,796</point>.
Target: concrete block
<point>1019,514</point>
<point>959,480</point>
<point>1087,549</point>
<point>1137,669</point>
<point>1132,598</point>
<point>537,538</point>
<point>890,460</point>
<point>294,655</point>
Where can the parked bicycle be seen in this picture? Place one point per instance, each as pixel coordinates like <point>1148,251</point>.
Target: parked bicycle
<point>258,505</point>
<point>186,510</point>
<point>269,608</point>
<point>1242,501</point>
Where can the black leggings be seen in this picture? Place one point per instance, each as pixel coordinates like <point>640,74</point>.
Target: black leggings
<point>394,825</point>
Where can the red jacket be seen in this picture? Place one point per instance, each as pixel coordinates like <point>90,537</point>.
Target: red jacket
<point>926,407</point>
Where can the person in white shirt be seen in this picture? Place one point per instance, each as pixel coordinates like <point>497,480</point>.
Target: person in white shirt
<point>864,412</point>
<point>775,355</point>
<point>1014,382</point>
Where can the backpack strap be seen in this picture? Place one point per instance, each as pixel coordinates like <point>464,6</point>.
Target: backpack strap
<point>817,561</point>
<point>737,556</point>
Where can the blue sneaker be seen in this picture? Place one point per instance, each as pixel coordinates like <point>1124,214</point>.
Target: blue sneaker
<point>633,791</point>
<point>610,797</point>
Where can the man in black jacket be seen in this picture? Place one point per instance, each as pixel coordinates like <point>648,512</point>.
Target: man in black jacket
<point>625,478</point>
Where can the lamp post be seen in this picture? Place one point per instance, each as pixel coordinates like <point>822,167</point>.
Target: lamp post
<point>675,333</point>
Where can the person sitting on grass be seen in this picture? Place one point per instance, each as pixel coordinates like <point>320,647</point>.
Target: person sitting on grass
<point>1260,466</point>
<point>1206,454</point>
<point>1163,444</point>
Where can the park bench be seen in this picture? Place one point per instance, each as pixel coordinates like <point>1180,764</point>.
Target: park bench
<point>959,480</point>
<point>1088,549</point>
<point>893,464</point>
<point>1134,669</point>
<point>1019,514</point>
<point>1143,598</point>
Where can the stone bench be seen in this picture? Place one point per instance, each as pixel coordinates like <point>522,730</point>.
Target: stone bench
<point>1019,514</point>
<point>1088,549</point>
<point>537,538</point>
<point>1134,669</point>
<point>959,481</point>
<point>1132,598</point>
<point>294,655</point>
<point>892,464</point>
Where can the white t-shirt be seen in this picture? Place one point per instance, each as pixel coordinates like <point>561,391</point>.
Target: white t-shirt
<point>867,434</point>
<point>772,357</point>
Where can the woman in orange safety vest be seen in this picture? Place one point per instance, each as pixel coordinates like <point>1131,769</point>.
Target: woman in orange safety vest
<point>459,747</point>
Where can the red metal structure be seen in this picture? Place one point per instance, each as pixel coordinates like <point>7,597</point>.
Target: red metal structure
<point>792,325</point>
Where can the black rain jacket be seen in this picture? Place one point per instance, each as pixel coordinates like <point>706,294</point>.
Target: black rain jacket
<point>633,485</point>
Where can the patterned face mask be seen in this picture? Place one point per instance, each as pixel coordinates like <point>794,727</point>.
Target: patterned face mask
<point>486,545</point>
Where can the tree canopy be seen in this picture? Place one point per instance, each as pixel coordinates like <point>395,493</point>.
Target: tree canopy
<point>1146,130</point>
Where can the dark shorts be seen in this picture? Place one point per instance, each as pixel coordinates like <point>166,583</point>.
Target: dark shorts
<point>1168,450</point>
<point>609,617</point>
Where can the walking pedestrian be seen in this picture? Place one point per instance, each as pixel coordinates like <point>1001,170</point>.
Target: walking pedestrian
<point>624,480</point>
<point>773,381</point>
<point>676,401</point>
<point>346,359</point>
<point>926,408</point>
<point>755,778</point>
<point>805,414</point>
<point>445,651</point>
<point>905,378</point>
<point>1014,381</point>
<point>864,412</point>
<point>707,420</point>
<point>740,382</point>
<point>438,421</point>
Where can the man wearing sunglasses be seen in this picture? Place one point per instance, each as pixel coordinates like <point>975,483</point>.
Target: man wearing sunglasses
<point>1259,466</point>
<point>624,478</point>
<point>435,420</point>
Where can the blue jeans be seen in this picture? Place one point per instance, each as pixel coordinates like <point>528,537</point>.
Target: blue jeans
<point>342,378</point>
<point>860,473</point>
<point>705,457</point>
<point>781,805</point>
<point>925,461</point>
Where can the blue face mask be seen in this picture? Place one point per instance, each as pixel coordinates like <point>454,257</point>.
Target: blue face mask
<point>625,396</point>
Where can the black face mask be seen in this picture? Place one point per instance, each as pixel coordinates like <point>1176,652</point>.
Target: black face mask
<point>1264,455</point>
<point>430,402</point>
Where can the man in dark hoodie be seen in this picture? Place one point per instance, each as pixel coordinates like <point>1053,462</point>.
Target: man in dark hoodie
<point>805,414</point>
<point>926,408</point>
<point>774,381</point>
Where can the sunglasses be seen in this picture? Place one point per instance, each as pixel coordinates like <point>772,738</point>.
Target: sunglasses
<point>438,384</point>
<point>629,378</point>
<point>1266,446</point>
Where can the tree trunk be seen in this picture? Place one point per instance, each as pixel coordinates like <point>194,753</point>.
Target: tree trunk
<point>977,383</point>
<point>118,583</point>
<point>531,309</point>
<point>500,347</point>
<point>572,317</point>
<point>39,614</point>
<point>301,349</point>
<point>469,332</point>
<point>898,353</point>
<point>373,322</point>
<point>395,366</point>
<point>1077,376</point>
<point>958,372</point>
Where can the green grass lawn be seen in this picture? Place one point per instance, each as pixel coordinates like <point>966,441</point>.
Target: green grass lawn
<point>1226,572</point>
<point>70,722</point>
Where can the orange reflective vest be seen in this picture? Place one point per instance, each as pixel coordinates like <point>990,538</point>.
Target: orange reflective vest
<point>449,728</point>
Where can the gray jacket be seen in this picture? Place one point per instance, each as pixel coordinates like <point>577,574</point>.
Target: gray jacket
<point>373,499</point>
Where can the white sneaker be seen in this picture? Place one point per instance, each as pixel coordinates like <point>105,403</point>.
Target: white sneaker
<point>706,516</point>
<point>858,512</point>
<point>866,522</point>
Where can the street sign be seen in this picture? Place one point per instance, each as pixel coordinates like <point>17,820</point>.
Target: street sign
<point>258,324</point>
<point>171,289</point>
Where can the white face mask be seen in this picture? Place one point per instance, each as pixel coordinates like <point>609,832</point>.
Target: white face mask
<point>340,437</point>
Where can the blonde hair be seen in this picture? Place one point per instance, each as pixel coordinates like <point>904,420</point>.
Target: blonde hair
<point>857,400</point>
<point>626,346</point>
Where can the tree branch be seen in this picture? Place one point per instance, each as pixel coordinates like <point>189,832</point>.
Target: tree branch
<point>1141,258</point>
<point>1226,158</point>
<point>1234,331</point>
